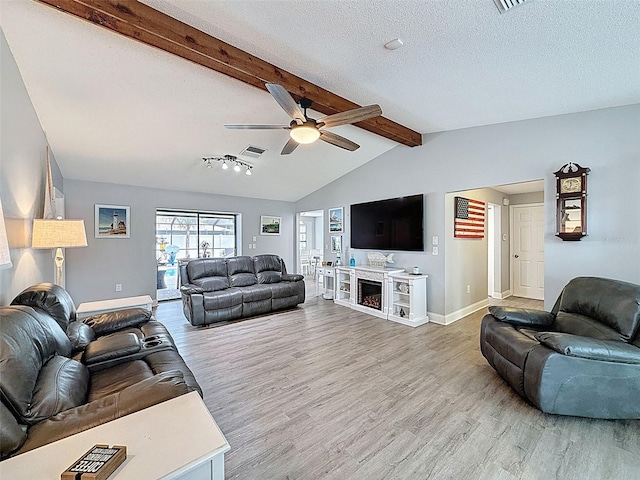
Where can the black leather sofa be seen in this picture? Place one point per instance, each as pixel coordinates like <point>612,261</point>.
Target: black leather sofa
<point>60,376</point>
<point>581,359</point>
<point>221,289</point>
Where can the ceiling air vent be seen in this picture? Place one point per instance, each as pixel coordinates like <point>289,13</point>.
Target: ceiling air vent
<point>253,151</point>
<point>504,5</point>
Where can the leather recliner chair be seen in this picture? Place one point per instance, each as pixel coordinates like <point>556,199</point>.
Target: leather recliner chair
<point>581,359</point>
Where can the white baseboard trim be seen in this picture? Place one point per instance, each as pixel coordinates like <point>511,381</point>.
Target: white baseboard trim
<point>502,295</point>
<point>436,318</point>
<point>457,315</point>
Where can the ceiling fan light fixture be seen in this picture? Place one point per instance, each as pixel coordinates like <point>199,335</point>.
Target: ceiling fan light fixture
<point>305,133</point>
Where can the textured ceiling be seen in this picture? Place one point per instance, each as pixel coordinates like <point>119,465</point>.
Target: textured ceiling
<point>118,111</point>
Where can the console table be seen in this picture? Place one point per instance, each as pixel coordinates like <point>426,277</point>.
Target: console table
<point>87,309</point>
<point>176,439</point>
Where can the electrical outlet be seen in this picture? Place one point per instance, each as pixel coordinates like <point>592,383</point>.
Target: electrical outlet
<point>254,239</point>
<point>118,287</point>
<point>249,246</point>
<point>434,250</point>
<point>434,241</point>
<point>468,288</point>
<point>254,246</point>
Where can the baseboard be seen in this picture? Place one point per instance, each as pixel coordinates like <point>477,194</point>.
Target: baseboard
<point>436,318</point>
<point>501,296</point>
<point>457,315</point>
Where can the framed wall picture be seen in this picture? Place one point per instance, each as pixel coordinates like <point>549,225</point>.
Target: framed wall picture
<point>112,221</point>
<point>336,220</point>
<point>336,243</point>
<point>270,225</point>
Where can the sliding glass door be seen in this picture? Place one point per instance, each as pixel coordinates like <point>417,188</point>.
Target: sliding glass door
<point>182,236</point>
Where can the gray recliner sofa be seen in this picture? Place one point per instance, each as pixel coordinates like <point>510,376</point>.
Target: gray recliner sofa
<point>221,289</point>
<point>581,359</point>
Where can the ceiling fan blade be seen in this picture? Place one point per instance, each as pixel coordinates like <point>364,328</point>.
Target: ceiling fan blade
<point>289,147</point>
<point>351,116</point>
<point>338,141</point>
<point>258,127</point>
<point>285,100</point>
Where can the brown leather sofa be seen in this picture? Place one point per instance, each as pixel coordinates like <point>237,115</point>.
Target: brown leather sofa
<point>60,376</point>
<point>221,289</point>
<point>581,359</point>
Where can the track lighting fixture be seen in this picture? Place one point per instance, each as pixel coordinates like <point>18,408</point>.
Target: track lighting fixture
<point>227,160</point>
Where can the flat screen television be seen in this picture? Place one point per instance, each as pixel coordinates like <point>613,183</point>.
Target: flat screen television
<point>392,224</point>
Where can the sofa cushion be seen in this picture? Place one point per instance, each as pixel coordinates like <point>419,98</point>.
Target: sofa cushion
<point>27,340</point>
<point>212,284</point>
<point>610,302</point>
<point>109,322</point>
<point>241,273</point>
<point>12,434</point>
<point>283,290</point>
<point>206,267</point>
<point>584,326</point>
<point>62,384</point>
<point>111,380</point>
<point>255,293</point>
<point>51,298</point>
<point>269,277</point>
<point>222,299</point>
<point>143,394</point>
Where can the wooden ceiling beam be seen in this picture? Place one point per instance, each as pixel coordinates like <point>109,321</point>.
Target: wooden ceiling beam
<point>152,27</point>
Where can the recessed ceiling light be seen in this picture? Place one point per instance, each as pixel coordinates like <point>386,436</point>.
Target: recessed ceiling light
<point>394,44</point>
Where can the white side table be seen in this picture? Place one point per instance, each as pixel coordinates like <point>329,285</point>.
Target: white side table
<point>176,439</point>
<point>93,308</point>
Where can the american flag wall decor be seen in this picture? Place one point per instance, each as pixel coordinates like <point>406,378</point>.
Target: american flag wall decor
<point>468,218</point>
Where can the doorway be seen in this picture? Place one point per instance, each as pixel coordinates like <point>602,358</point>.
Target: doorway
<point>527,250</point>
<point>309,241</point>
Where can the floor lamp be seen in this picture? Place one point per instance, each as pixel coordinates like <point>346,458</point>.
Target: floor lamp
<point>58,234</point>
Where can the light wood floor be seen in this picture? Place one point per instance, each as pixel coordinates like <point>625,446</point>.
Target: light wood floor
<point>325,392</point>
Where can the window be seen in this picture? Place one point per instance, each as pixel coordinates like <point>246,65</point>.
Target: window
<point>195,234</point>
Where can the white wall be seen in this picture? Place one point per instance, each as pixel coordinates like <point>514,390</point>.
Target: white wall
<point>22,179</point>
<point>607,141</point>
<point>92,272</point>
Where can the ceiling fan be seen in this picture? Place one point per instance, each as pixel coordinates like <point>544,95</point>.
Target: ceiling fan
<point>303,129</point>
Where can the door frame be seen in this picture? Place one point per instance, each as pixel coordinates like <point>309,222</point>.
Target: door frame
<point>511,230</point>
<point>494,250</point>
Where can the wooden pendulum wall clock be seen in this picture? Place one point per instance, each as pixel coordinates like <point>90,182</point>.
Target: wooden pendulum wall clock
<point>571,195</point>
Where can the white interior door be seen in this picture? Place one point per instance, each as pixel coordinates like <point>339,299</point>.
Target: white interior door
<point>528,251</point>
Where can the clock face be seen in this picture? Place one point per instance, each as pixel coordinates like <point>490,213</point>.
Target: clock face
<point>570,185</point>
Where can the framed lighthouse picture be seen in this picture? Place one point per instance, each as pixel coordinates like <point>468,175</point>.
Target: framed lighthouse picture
<point>112,221</point>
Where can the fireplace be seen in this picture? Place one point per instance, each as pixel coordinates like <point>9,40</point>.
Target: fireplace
<point>370,293</point>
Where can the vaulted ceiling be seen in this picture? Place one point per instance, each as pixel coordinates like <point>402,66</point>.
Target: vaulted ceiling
<point>119,111</point>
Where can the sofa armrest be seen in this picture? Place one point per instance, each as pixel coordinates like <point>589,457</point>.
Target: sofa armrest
<point>80,335</point>
<point>144,394</point>
<point>190,288</point>
<point>522,316</point>
<point>292,277</point>
<point>109,322</point>
<point>590,348</point>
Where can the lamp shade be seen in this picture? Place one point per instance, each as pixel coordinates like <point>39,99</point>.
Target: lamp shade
<point>304,133</point>
<point>5,258</point>
<point>58,234</point>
